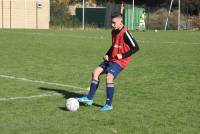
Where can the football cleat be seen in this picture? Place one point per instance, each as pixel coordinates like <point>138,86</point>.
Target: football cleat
<point>106,107</point>
<point>85,101</point>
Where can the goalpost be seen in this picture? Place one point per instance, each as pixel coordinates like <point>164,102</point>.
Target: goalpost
<point>179,12</point>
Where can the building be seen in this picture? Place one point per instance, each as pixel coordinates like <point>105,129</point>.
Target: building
<point>28,14</point>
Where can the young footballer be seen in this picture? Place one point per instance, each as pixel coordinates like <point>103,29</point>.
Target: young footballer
<point>115,60</point>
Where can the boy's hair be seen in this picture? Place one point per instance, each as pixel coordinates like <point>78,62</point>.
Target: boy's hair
<point>115,15</point>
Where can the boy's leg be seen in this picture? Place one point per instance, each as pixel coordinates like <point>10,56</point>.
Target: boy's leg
<point>113,70</point>
<point>110,87</point>
<point>109,92</point>
<point>93,87</point>
<point>94,83</point>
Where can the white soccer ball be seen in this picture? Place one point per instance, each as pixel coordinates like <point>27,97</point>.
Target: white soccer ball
<point>72,104</point>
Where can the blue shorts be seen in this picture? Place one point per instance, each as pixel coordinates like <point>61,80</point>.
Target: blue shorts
<point>111,67</point>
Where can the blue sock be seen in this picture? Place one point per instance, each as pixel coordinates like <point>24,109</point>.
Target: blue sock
<point>110,87</point>
<point>93,87</point>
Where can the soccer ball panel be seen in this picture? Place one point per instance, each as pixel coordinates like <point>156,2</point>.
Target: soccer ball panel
<point>72,104</point>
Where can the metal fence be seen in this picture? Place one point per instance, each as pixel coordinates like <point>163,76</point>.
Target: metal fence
<point>98,16</point>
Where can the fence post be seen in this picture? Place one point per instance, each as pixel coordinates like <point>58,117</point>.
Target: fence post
<point>2,14</point>
<point>83,16</point>
<point>10,14</point>
<point>36,15</point>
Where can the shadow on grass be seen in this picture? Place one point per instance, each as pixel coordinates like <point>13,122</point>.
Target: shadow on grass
<point>67,95</point>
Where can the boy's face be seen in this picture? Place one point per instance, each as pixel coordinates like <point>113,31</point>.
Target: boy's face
<point>117,23</point>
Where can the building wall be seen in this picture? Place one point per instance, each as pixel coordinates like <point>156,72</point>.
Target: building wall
<point>30,14</point>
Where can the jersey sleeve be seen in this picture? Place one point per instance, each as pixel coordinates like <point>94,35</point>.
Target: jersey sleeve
<point>132,43</point>
<point>109,52</point>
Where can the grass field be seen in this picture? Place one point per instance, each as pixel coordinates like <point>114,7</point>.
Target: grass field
<point>159,92</point>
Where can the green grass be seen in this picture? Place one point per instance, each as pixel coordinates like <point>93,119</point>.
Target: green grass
<point>157,94</point>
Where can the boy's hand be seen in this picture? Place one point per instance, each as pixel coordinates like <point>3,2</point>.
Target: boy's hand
<point>106,58</point>
<point>119,56</point>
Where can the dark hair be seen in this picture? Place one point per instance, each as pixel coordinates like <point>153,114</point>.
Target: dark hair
<point>116,14</point>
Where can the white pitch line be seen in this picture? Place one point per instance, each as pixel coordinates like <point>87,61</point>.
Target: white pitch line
<point>33,96</point>
<point>63,35</point>
<point>191,43</point>
<point>41,82</point>
<point>101,38</point>
<point>37,81</point>
<point>28,97</point>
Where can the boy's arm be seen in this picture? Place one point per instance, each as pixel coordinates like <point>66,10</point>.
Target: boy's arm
<point>109,52</point>
<point>132,43</point>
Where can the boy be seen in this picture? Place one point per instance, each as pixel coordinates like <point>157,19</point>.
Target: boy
<point>115,60</point>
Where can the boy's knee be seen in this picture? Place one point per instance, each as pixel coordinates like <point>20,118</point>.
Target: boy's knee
<point>96,73</point>
<point>109,78</point>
